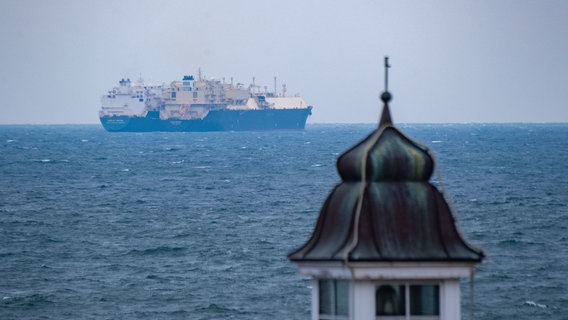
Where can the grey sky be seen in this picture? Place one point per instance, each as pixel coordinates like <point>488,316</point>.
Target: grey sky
<point>452,61</point>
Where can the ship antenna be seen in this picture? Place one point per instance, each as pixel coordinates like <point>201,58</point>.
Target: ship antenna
<point>275,90</point>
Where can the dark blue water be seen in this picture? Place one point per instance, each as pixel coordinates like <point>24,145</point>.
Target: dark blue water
<point>95,225</point>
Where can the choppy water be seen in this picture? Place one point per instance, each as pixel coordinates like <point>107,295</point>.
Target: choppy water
<point>95,225</point>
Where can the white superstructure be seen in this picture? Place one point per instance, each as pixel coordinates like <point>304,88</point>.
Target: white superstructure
<point>131,99</point>
<point>191,98</point>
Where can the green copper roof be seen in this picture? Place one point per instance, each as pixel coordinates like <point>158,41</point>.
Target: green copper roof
<point>385,209</point>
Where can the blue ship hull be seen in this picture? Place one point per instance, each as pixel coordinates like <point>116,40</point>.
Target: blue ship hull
<point>216,120</point>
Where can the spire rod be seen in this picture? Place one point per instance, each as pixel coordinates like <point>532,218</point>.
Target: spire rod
<point>386,97</point>
<point>387,66</point>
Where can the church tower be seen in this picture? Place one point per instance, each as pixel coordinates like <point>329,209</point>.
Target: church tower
<point>386,245</point>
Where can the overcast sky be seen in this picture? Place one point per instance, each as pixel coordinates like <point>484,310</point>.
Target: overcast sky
<point>452,61</point>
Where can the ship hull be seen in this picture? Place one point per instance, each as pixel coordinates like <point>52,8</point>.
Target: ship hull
<point>216,120</point>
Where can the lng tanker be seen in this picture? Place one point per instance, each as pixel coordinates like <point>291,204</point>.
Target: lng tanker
<point>198,104</point>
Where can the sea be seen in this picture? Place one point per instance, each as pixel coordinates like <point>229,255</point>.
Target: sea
<point>163,225</point>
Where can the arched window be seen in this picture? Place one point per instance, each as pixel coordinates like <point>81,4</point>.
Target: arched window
<point>390,300</point>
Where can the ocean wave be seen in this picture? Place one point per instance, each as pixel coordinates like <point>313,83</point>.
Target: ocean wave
<point>218,309</point>
<point>534,304</point>
<point>161,250</point>
<point>31,300</point>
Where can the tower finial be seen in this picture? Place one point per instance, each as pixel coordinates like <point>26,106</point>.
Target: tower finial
<point>386,97</point>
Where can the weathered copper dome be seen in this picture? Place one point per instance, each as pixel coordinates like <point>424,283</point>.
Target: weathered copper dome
<point>385,209</point>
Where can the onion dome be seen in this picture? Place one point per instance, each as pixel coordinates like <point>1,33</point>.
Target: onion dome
<point>385,209</point>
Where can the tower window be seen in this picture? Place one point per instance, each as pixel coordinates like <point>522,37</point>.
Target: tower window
<point>425,300</point>
<point>333,299</point>
<point>390,300</point>
<point>407,301</point>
